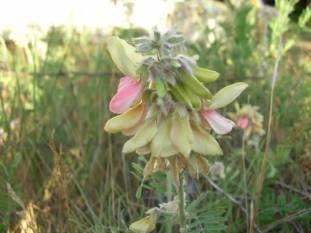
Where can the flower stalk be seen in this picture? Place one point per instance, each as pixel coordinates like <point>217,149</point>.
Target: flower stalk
<point>181,196</point>
<point>244,171</point>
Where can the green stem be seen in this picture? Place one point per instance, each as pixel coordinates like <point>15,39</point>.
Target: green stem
<point>245,182</point>
<point>181,195</point>
<point>169,190</point>
<point>264,162</point>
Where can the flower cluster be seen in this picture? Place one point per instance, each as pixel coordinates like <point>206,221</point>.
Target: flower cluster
<point>164,105</point>
<point>250,121</point>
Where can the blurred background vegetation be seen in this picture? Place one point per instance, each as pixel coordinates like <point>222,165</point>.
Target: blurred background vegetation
<point>60,172</point>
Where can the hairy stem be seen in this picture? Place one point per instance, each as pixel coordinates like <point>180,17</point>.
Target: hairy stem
<point>181,195</point>
<point>169,190</point>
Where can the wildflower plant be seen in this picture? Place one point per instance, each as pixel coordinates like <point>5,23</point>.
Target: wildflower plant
<point>250,120</point>
<point>166,108</point>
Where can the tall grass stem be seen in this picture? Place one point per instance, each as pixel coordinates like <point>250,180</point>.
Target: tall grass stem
<point>264,162</point>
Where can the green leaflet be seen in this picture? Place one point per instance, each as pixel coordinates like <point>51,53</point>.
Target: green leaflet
<point>124,56</point>
<point>204,143</point>
<point>126,120</point>
<point>143,136</point>
<point>205,75</point>
<point>227,95</point>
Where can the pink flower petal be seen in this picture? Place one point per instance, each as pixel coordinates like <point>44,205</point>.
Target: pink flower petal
<point>129,91</point>
<point>242,122</point>
<point>217,122</point>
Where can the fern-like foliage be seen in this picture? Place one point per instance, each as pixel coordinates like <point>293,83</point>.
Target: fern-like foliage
<point>206,217</point>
